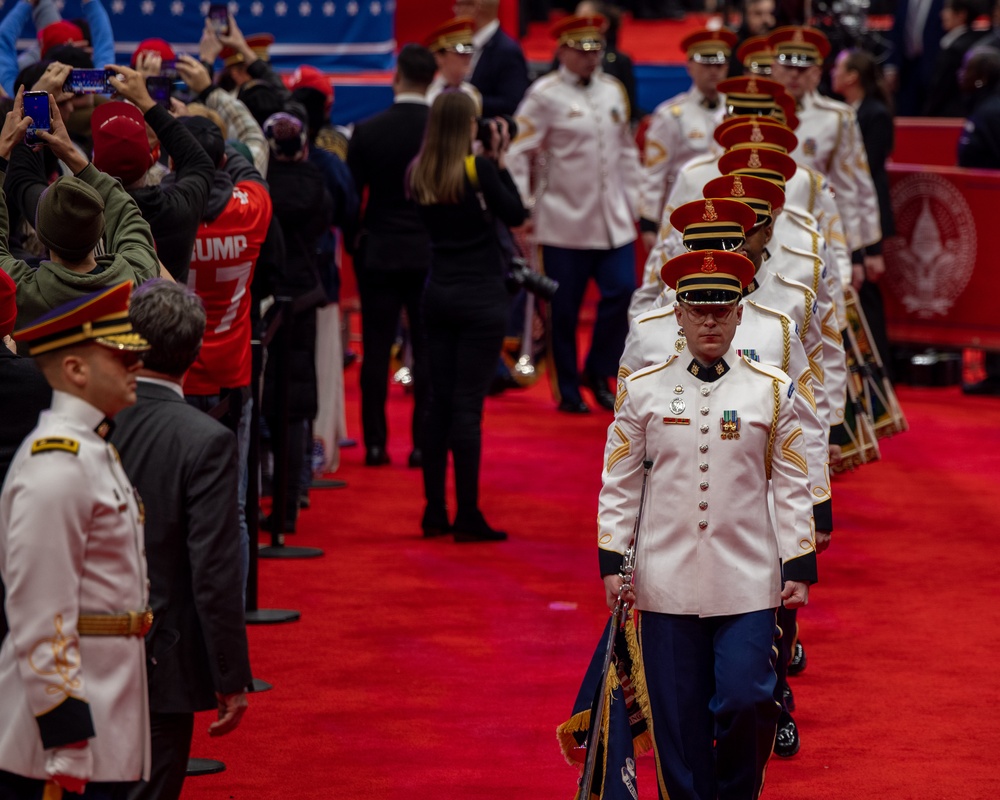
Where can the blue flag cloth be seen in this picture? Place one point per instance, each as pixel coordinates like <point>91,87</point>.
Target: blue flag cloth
<point>625,728</point>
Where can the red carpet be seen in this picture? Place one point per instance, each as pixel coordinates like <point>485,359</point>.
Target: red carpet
<point>426,669</point>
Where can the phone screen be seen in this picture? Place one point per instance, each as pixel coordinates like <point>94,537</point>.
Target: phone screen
<point>159,87</point>
<point>89,81</point>
<point>36,106</point>
<point>218,14</point>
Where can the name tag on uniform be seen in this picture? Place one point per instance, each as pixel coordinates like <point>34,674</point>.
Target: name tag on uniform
<point>676,421</point>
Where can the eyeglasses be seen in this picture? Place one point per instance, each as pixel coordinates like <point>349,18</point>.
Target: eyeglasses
<point>701,313</point>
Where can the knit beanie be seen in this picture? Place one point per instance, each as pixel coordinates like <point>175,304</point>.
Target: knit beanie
<point>70,218</point>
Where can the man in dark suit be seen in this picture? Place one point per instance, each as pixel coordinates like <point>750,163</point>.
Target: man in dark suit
<point>916,40</point>
<point>24,394</point>
<point>391,249</point>
<point>944,98</point>
<point>184,465</point>
<point>499,70</point>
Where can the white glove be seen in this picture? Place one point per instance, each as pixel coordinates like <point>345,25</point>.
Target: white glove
<point>70,767</point>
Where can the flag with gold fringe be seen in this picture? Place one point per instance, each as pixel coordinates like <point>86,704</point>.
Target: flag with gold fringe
<point>625,732</point>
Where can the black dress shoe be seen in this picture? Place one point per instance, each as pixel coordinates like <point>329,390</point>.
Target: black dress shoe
<point>476,530</point>
<point>799,660</point>
<point>416,460</point>
<point>267,524</point>
<point>375,456</point>
<point>435,523</point>
<point>599,387</point>
<point>786,743</point>
<point>574,407</point>
<point>788,698</point>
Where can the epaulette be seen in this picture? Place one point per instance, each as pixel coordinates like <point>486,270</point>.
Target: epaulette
<point>642,373</point>
<point>802,219</point>
<point>796,284</point>
<point>795,251</point>
<point>656,313</point>
<point>698,161</point>
<point>766,369</point>
<point>768,310</point>
<point>51,443</point>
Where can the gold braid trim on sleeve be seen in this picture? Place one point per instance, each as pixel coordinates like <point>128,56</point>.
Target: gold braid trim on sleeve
<point>786,343</point>
<point>621,451</point>
<point>792,455</point>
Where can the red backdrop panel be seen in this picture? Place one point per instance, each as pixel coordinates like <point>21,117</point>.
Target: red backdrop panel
<point>416,18</point>
<point>923,140</point>
<point>941,280</point>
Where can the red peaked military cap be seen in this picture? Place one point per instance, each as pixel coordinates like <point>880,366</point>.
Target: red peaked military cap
<point>454,35</point>
<point>708,276</point>
<point>712,223</point>
<point>581,32</point>
<point>763,196</point>
<point>709,47</point>
<point>768,164</point>
<point>100,317</point>
<point>798,46</point>
<point>756,55</point>
<point>764,132</point>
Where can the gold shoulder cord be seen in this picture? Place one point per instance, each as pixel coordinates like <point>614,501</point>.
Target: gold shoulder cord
<point>774,428</point>
<point>810,300</point>
<point>786,349</point>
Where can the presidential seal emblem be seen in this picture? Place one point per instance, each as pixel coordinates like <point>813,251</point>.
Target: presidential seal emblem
<point>934,252</point>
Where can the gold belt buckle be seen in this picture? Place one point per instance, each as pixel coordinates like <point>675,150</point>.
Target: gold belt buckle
<point>139,622</point>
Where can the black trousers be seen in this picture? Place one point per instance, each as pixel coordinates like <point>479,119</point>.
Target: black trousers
<point>465,327</point>
<point>384,294</point>
<point>17,787</point>
<point>171,746</point>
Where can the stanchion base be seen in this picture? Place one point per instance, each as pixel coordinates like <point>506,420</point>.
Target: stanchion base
<point>204,766</point>
<point>271,616</point>
<point>257,685</point>
<point>282,551</point>
<point>327,483</point>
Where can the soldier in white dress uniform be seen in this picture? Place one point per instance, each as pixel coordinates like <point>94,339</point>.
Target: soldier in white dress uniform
<point>713,562</point>
<point>681,127</point>
<point>73,667</point>
<point>574,123</point>
<point>451,44</point>
<point>829,137</point>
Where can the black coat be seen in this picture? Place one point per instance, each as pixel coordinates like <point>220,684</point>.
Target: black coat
<point>184,465</point>
<point>944,98</point>
<point>501,75</point>
<point>390,236</point>
<point>979,144</point>
<point>876,126</point>
<point>24,394</point>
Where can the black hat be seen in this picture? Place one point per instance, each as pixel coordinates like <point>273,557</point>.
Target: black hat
<point>208,135</point>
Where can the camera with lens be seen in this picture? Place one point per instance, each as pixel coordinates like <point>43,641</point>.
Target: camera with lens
<point>484,134</point>
<point>521,276</point>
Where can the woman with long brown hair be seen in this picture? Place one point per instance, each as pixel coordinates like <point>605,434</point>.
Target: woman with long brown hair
<point>461,198</point>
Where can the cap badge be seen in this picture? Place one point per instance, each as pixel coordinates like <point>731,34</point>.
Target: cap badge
<point>798,37</point>
<point>754,162</point>
<point>756,135</point>
<point>708,265</point>
<point>730,424</point>
<point>710,214</point>
<point>738,190</point>
<point>752,86</point>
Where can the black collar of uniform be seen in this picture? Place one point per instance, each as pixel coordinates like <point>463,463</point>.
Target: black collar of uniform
<point>711,105</point>
<point>105,428</point>
<point>710,373</point>
<point>753,286</point>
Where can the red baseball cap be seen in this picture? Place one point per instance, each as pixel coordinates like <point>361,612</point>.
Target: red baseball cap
<point>159,46</point>
<point>121,147</point>
<point>307,77</point>
<point>8,304</point>
<point>58,33</point>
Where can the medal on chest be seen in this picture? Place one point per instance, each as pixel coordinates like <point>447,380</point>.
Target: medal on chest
<point>730,425</point>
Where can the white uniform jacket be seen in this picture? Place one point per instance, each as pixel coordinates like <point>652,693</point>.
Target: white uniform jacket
<point>681,128</point>
<point>707,545</point>
<point>766,336</point>
<point>809,270</point>
<point>830,142</point>
<point>586,188</point>
<point>71,543</point>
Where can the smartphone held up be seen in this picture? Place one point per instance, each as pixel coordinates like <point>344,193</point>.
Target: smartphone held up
<point>218,16</point>
<point>36,106</point>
